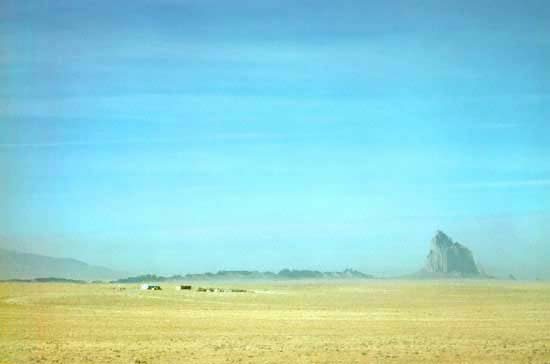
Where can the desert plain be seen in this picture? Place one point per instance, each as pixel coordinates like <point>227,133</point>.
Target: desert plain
<point>371,321</point>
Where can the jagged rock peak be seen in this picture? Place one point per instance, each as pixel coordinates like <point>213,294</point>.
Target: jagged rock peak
<point>447,256</point>
<point>441,239</point>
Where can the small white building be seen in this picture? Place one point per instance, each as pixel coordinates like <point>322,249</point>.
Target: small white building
<point>150,287</point>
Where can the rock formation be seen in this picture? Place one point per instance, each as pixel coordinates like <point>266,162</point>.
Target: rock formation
<point>448,257</point>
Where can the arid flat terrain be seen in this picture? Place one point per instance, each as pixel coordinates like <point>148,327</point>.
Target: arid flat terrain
<point>330,322</point>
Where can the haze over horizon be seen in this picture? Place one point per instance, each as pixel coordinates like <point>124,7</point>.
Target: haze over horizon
<point>189,136</point>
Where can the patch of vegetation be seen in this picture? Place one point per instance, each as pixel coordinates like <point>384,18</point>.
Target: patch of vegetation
<point>284,274</point>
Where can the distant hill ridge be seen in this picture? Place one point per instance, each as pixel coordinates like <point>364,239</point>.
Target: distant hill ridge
<point>26,266</point>
<point>45,280</point>
<point>285,274</point>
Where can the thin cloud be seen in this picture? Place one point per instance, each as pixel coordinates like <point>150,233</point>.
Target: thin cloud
<point>87,143</point>
<point>506,184</point>
<point>57,144</point>
<point>243,136</point>
<point>498,125</point>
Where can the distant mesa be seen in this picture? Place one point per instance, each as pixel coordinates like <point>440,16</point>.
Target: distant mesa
<point>449,258</point>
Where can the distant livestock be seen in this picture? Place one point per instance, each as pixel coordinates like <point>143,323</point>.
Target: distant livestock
<point>183,287</point>
<point>150,287</point>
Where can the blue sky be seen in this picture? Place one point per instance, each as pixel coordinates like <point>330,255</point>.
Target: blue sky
<point>186,136</point>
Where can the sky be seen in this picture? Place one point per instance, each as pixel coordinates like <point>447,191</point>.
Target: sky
<point>189,136</point>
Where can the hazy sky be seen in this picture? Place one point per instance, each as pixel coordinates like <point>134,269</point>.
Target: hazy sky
<point>189,136</point>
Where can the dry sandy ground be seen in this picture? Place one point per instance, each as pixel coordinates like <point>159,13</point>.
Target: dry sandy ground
<point>333,322</point>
